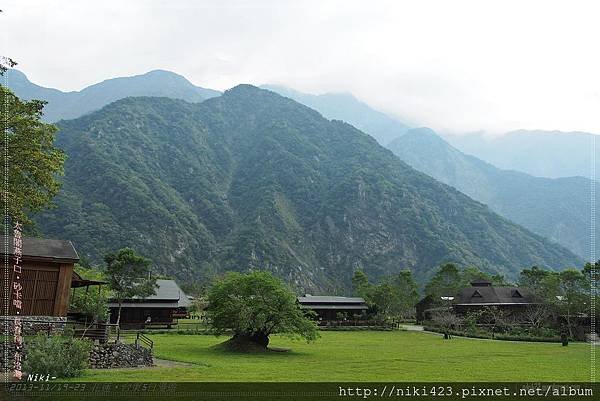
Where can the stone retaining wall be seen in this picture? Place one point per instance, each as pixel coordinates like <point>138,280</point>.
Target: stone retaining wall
<point>33,324</point>
<point>119,355</point>
<point>103,356</point>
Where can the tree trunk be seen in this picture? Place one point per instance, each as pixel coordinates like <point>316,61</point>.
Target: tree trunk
<point>119,314</point>
<point>260,338</point>
<point>569,322</point>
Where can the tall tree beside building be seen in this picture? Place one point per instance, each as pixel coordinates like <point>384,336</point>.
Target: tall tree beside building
<point>128,275</point>
<point>361,285</point>
<point>572,298</point>
<point>447,281</point>
<point>29,152</point>
<point>408,293</point>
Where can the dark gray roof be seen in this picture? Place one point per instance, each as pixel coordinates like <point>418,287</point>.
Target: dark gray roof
<point>310,299</point>
<point>334,306</point>
<point>41,248</point>
<point>494,296</point>
<point>145,305</point>
<point>481,282</point>
<point>167,293</point>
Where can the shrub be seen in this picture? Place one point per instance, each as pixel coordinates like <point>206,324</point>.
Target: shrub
<point>58,356</point>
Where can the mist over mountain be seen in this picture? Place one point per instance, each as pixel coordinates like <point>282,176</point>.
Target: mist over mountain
<point>252,179</point>
<point>345,107</point>
<point>540,153</point>
<point>558,208</point>
<point>68,105</point>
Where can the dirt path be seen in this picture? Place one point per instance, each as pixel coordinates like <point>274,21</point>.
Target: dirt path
<point>164,363</point>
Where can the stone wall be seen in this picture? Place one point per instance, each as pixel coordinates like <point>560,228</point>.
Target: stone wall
<point>11,355</point>
<point>119,355</point>
<point>32,325</point>
<point>102,356</point>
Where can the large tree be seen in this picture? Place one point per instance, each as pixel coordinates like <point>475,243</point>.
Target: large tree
<point>572,298</point>
<point>360,284</point>
<point>128,275</point>
<point>447,281</point>
<point>253,306</point>
<point>539,281</point>
<point>408,293</point>
<point>29,153</point>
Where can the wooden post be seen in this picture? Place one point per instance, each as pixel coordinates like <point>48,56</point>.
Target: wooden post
<point>61,302</point>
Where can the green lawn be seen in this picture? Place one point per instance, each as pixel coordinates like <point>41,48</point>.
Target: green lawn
<point>363,356</point>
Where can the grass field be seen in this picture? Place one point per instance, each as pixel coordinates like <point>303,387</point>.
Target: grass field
<point>362,356</point>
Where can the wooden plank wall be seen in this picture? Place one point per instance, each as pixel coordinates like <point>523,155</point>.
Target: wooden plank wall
<point>45,289</point>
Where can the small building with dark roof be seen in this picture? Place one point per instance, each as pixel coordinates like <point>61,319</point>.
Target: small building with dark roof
<point>162,308</point>
<point>422,307</point>
<point>329,307</point>
<point>46,276</point>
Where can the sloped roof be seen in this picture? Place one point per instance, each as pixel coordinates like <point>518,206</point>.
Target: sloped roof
<point>42,248</point>
<point>167,293</point>
<point>310,299</point>
<point>494,296</point>
<point>478,282</point>
<point>332,303</point>
<point>77,281</point>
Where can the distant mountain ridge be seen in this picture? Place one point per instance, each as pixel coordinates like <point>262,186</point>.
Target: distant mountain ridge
<point>251,179</point>
<point>345,107</point>
<point>551,154</point>
<point>557,208</point>
<point>68,105</point>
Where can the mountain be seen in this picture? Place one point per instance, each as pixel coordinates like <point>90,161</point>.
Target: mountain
<point>345,107</point>
<point>68,105</point>
<point>558,208</point>
<point>549,154</point>
<point>252,179</point>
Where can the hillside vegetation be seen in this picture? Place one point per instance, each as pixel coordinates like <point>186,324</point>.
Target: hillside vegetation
<point>251,179</point>
<point>557,208</point>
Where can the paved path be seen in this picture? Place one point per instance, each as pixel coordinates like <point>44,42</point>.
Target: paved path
<point>411,327</point>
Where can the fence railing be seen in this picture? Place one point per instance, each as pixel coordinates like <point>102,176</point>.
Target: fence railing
<point>95,331</point>
<point>144,341</point>
<point>361,323</point>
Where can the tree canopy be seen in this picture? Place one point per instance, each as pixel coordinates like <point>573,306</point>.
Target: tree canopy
<point>128,275</point>
<point>29,152</point>
<point>255,305</point>
<point>394,297</point>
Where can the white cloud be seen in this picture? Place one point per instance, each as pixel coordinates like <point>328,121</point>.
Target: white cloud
<point>453,65</point>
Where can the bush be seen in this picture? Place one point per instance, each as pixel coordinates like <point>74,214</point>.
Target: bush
<point>57,356</point>
<point>488,335</point>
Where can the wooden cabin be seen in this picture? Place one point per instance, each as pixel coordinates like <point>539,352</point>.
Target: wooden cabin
<point>479,295</point>
<point>168,303</point>
<point>482,293</point>
<point>330,308</point>
<point>47,269</point>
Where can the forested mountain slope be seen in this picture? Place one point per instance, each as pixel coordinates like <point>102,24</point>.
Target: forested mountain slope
<point>251,179</point>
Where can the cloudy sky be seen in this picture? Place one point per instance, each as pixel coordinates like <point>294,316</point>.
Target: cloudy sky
<point>456,66</point>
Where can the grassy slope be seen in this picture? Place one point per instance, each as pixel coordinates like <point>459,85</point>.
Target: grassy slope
<point>364,356</point>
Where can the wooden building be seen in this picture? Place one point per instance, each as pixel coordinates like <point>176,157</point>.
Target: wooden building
<point>47,268</point>
<point>482,293</point>
<point>168,303</point>
<point>331,308</point>
<point>423,307</point>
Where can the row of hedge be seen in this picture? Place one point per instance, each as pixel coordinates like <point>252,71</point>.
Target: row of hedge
<point>487,335</point>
